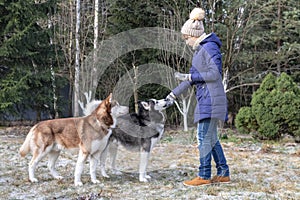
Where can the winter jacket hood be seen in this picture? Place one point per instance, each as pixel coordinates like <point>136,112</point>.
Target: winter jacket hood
<point>205,38</point>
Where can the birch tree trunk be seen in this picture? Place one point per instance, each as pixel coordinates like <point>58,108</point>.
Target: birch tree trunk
<point>69,54</point>
<point>96,30</point>
<point>185,114</point>
<point>135,89</point>
<point>77,62</point>
<point>53,77</point>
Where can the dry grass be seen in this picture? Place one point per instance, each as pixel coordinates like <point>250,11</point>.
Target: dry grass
<point>258,171</point>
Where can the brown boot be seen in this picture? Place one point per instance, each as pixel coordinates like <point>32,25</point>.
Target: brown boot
<point>197,182</point>
<point>220,179</point>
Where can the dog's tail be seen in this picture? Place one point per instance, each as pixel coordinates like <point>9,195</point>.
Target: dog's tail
<point>25,148</point>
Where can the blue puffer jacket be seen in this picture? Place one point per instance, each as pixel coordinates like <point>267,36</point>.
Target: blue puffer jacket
<point>206,75</point>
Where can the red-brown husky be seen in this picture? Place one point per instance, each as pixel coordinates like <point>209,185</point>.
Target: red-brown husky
<point>90,134</point>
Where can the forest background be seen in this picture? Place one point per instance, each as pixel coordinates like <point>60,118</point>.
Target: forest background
<point>48,51</point>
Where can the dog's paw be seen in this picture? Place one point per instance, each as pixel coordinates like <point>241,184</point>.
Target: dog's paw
<point>143,179</point>
<point>95,181</point>
<point>59,177</point>
<point>104,174</point>
<point>33,180</point>
<point>148,177</point>
<point>116,172</point>
<point>78,183</point>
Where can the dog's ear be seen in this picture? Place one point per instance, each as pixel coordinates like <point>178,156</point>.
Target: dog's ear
<point>110,97</point>
<point>105,105</point>
<point>108,100</point>
<point>146,105</point>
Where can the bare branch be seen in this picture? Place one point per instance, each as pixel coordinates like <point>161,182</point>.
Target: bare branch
<point>242,85</point>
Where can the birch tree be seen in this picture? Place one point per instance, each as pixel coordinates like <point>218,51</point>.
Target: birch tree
<point>96,30</point>
<point>53,76</point>
<point>94,24</point>
<point>77,62</point>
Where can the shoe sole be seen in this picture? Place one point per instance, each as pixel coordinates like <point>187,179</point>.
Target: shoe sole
<point>196,185</point>
<point>227,182</point>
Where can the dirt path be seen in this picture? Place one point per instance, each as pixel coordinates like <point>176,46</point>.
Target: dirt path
<point>258,171</point>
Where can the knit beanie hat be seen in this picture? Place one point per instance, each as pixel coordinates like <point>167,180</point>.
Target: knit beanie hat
<point>194,25</point>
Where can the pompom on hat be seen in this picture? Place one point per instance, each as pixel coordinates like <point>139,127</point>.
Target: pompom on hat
<point>194,25</point>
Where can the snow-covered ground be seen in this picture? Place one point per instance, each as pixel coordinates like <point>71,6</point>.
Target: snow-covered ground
<point>258,171</point>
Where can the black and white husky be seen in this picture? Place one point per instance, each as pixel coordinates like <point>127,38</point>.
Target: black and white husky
<point>137,132</point>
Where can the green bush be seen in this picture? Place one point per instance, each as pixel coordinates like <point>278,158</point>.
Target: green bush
<point>274,111</point>
<point>244,120</point>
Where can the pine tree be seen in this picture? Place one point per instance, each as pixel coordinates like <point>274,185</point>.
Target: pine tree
<point>26,51</point>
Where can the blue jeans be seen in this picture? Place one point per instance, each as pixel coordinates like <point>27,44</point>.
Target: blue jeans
<point>209,145</point>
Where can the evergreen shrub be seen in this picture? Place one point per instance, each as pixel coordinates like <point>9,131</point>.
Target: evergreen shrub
<point>274,110</point>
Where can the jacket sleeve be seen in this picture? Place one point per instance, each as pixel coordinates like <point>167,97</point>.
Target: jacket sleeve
<point>208,65</point>
<point>181,88</point>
